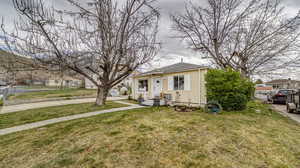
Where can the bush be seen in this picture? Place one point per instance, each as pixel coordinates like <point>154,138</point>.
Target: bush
<point>229,89</point>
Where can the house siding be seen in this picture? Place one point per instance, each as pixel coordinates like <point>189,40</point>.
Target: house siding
<point>65,83</point>
<point>88,84</point>
<point>196,95</point>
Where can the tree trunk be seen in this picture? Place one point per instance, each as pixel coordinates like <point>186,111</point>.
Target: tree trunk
<point>101,96</point>
<point>62,81</point>
<point>245,74</point>
<point>61,85</point>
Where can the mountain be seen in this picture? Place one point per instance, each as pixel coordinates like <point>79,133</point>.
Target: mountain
<point>10,60</point>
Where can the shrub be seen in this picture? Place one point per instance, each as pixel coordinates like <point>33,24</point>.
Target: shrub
<point>229,89</point>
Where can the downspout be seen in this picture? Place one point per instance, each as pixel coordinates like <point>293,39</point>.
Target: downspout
<point>151,91</point>
<point>199,87</point>
<point>133,88</point>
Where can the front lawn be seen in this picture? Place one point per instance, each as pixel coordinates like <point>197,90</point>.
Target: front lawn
<point>159,137</point>
<point>64,93</point>
<point>33,115</point>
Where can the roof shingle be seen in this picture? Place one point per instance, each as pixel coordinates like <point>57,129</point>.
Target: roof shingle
<point>179,67</point>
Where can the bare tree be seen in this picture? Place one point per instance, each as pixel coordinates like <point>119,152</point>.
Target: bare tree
<point>103,40</point>
<point>249,36</point>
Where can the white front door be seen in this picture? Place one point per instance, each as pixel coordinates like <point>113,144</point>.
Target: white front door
<point>157,86</point>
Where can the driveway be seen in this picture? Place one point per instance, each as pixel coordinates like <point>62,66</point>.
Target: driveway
<point>282,110</point>
<point>261,97</point>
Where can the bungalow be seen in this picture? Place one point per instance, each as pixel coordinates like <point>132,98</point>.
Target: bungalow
<point>179,83</point>
<point>68,82</point>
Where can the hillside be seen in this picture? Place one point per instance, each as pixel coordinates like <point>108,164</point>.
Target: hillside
<point>14,62</point>
<point>20,69</point>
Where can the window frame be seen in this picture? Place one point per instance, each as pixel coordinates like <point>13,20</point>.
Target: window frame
<point>140,89</point>
<point>178,82</point>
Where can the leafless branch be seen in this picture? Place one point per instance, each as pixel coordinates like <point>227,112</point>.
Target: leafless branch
<point>249,36</point>
<point>104,40</point>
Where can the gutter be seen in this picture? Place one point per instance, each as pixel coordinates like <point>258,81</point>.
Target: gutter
<point>150,74</point>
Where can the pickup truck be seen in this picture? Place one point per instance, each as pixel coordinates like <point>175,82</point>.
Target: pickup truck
<point>293,102</point>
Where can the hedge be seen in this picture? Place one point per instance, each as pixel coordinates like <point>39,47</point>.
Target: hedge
<point>229,89</point>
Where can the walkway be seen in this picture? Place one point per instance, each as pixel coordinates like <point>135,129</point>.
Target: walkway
<point>67,118</point>
<point>21,107</point>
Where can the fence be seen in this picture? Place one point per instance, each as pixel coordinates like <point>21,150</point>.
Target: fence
<point>4,92</point>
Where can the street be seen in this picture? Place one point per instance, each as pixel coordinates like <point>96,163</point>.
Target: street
<point>17,89</point>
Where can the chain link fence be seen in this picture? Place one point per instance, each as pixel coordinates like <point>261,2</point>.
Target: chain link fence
<point>4,92</point>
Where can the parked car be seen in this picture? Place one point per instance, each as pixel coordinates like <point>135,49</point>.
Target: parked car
<point>293,102</point>
<point>279,96</point>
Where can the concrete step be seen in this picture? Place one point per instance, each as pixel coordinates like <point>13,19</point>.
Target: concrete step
<point>150,103</point>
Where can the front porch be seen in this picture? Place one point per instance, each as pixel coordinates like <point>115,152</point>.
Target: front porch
<point>153,102</point>
<point>149,87</point>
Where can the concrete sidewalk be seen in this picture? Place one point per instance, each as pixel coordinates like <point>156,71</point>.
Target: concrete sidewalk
<point>21,107</point>
<point>67,118</point>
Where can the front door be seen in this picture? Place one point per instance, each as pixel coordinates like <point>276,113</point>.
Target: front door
<point>157,86</point>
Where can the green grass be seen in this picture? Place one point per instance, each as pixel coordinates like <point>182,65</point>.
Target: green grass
<point>159,137</point>
<point>33,115</point>
<point>64,93</point>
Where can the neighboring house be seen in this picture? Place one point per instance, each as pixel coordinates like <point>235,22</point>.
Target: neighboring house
<point>2,83</point>
<point>181,82</point>
<point>66,82</point>
<point>2,77</point>
<point>126,82</point>
<point>263,89</point>
<point>88,84</point>
<point>284,84</point>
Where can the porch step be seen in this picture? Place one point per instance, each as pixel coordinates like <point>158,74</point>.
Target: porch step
<point>150,103</point>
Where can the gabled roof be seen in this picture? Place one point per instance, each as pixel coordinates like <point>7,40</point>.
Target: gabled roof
<point>179,67</point>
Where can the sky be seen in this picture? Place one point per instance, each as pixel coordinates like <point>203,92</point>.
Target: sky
<point>173,50</point>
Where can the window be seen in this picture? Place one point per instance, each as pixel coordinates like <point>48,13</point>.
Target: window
<point>143,85</point>
<point>285,92</point>
<point>179,82</point>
